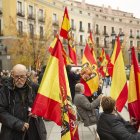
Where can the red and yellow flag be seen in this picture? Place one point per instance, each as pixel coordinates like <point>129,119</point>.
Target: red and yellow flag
<point>72,51</point>
<point>119,89</point>
<point>66,59</point>
<point>104,59</point>
<point>52,100</point>
<point>65,28</point>
<point>91,44</point>
<point>89,72</point>
<point>134,88</point>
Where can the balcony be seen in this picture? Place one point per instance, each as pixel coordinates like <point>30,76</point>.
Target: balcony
<point>21,13</point>
<point>55,23</point>
<point>97,32</point>
<point>31,17</point>
<point>105,33</point>
<point>41,19</point>
<point>131,36</point>
<point>81,30</point>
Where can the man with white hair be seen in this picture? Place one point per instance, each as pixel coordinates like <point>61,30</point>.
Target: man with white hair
<point>16,99</point>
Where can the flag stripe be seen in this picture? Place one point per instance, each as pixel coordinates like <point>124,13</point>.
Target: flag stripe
<point>121,100</point>
<point>47,108</point>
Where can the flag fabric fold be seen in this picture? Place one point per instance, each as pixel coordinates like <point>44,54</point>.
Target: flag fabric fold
<point>89,72</point>
<point>119,89</point>
<point>134,88</point>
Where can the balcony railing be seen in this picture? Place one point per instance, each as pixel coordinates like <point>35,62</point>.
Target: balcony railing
<point>81,30</point>
<point>97,32</point>
<point>41,19</point>
<point>55,23</point>
<point>21,13</point>
<point>131,36</point>
<point>31,17</point>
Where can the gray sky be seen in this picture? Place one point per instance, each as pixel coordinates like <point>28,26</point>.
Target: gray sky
<point>132,6</point>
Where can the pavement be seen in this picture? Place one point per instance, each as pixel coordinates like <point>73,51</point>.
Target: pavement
<point>54,131</point>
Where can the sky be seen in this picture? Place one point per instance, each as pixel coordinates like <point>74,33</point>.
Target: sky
<point>132,6</point>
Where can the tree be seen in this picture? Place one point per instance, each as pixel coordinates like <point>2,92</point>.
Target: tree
<point>31,51</point>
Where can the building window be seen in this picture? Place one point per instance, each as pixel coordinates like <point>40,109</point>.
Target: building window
<point>0,28</point>
<point>54,17</point>
<point>19,7</point>
<point>72,23</point>
<point>88,14</point>
<point>113,31</point>
<point>97,29</point>
<point>138,34</point>
<point>40,13</point>
<point>81,26</point>
<point>41,32</point>
<point>81,53</point>
<point>138,44</point>
<point>20,27</point>
<point>131,43</point>
<point>120,20</point>
<point>120,30</point>
<point>30,10</point>
<point>31,28</point>
<point>105,30</point>
<point>139,57</point>
<point>97,41</point>
<point>81,39</point>
<point>80,12</point>
<point>131,33</point>
<point>112,18</point>
<point>55,33</point>
<point>89,27</point>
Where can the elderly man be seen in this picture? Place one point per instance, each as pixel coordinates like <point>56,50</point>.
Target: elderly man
<point>16,99</point>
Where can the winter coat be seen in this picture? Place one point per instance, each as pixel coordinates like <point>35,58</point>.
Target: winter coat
<point>112,127</point>
<point>86,109</point>
<point>14,105</point>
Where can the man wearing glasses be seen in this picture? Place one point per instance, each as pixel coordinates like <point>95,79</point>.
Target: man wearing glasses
<point>16,99</point>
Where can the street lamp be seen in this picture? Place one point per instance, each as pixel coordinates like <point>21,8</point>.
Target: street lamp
<point>113,35</point>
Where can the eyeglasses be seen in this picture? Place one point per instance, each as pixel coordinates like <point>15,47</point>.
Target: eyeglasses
<point>21,77</point>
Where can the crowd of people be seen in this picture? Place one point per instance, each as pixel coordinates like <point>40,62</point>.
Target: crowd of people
<point>17,93</point>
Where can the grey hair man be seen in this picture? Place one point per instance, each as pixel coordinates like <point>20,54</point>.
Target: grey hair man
<point>16,99</point>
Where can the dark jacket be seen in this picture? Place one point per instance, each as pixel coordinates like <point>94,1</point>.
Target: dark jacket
<point>14,105</point>
<point>86,109</point>
<point>112,127</point>
<point>73,78</point>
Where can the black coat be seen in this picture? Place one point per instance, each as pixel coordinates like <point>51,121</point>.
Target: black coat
<point>14,105</point>
<point>112,127</point>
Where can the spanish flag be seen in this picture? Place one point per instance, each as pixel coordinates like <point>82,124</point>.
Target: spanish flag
<point>119,90</point>
<point>89,72</point>
<point>66,59</point>
<point>65,28</point>
<point>53,98</point>
<point>91,44</point>
<point>104,61</point>
<point>134,88</point>
<point>72,52</point>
